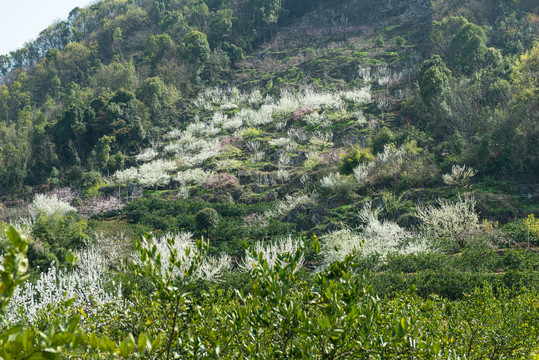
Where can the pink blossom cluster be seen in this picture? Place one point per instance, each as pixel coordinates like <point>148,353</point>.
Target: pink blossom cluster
<point>394,80</point>
<point>330,157</point>
<point>64,194</point>
<point>302,111</point>
<point>373,123</point>
<point>101,205</point>
<point>231,140</point>
<point>221,181</point>
<point>255,220</point>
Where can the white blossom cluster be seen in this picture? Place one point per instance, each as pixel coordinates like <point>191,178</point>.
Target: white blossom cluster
<point>271,252</point>
<point>374,237</point>
<point>195,176</point>
<point>459,175</point>
<point>289,203</point>
<point>147,155</point>
<point>361,173</point>
<point>173,134</point>
<point>186,251</point>
<point>283,142</point>
<point>287,103</point>
<point>48,205</point>
<point>228,165</point>
<point>156,173</point>
<point>202,140</point>
<point>358,96</point>
<point>227,98</point>
<point>125,176</point>
<point>382,237</point>
<point>391,156</point>
<point>321,140</point>
<point>299,135</point>
<point>449,219</point>
<point>337,183</point>
<point>318,120</point>
<point>86,284</point>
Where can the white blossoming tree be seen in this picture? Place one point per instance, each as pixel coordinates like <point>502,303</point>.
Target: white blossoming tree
<point>375,237</point>
<point>272,253</point>
<point>179,252</point>
<point>123,177</point>
<point>87,284</point>
<point>459,175</point>
<point>147,155</point>
<point>155,173</point>
<point>48,205</point>
<point>449,220</point>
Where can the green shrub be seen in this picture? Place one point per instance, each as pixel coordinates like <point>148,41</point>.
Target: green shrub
<point>400,41</point>
<point>206,220</point>
<point>515,279</point>
<point>520,259</point>
<point>478,260</point>
<point>518,230</point>
<point>53,236</point>
<point>60,231</point>
<point>384,137</point>
<point>413,263</point>
<point>354,156</point>
<point>451,285</point>
<point>251,134</point>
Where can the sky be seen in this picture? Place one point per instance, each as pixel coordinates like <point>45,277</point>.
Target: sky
<point>22,20</point>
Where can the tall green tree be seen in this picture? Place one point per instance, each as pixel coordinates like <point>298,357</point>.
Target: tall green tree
<point>434,78</point>
<point>207,219</point>
<point>469,47</point>
<point>195,48</point>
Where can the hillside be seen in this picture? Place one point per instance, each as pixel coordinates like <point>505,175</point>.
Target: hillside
<point>395,137</point>
<point>82,112</point>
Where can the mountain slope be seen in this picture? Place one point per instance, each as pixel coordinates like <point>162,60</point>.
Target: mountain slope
<point>91,94</point>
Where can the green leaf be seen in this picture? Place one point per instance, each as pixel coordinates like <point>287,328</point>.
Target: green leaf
<point>94,341</point>
<point>142,343</point>
<point>316,244</point>
<point>28,340</point>
<point>127,346</point>
<point>158,341</point>
<point>17,240</point>
<point>108,345</point>
<point>71,258</point>
<point>13,330</point>
<point>73,324</point>
<point>23,267</point>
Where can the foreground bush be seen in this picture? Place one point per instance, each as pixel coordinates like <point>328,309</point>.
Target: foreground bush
<point>283,312</point>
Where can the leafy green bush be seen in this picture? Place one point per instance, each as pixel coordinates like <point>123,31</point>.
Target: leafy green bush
<point>451,285</point>
<point>384,137</point>
<point>206,220</point>
<point>520,259</point>
<point>354,156</point>
<point>478,260</point>
<point>520,231</point>
<point>413,263</point>
<point>55,234</point>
